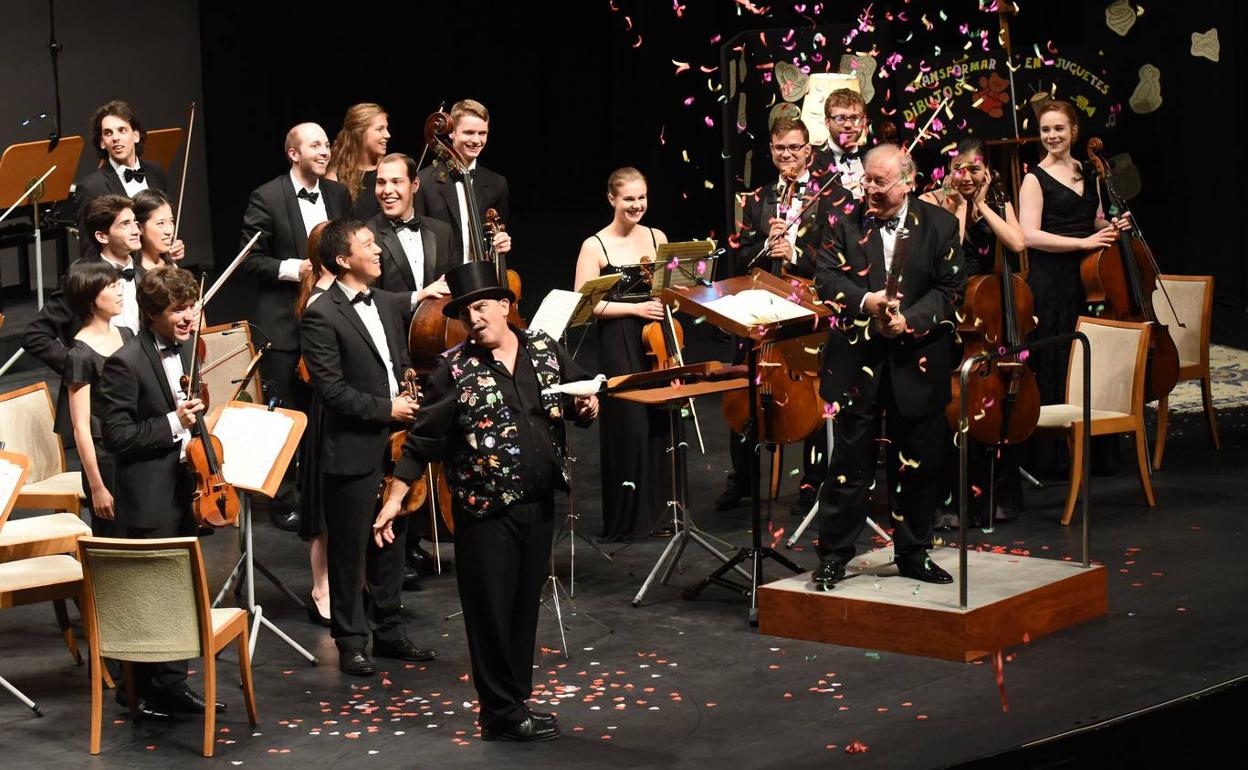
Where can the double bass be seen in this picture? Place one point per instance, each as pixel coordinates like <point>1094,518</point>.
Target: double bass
<point>1122,278</point>
<point>1003,398</point>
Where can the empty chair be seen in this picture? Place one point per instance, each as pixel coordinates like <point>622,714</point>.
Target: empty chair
<point>1192,297</point>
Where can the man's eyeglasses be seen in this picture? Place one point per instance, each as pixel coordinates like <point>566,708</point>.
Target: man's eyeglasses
<point>792,149</point>
<point>852,120</point>
<point>871,184</point>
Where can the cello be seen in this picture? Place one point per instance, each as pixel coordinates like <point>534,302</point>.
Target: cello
<point>1122,278</point>
<point>997,313</point>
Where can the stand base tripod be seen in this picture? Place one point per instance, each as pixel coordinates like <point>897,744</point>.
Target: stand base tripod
<point>552,603</point>
<point>246,569</point>
<point>755,556</point>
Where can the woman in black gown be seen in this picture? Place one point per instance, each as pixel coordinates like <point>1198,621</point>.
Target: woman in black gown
<point>985,218</point>
<point>94,292</point>
<point>356,151</point>
<point>633,438</point>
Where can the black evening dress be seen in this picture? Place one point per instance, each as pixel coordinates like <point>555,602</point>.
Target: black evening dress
<point>83,366</point>
<point>633,439</point>
<point>1054,278</point>
<point>311,492</point>
<point>366,205</point>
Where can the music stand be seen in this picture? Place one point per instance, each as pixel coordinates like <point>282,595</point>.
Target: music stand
<point>258,444</point>
<point>161,146</point>
<point>698,301</point>
<point>684,264</point>
<point>23,164</point>
<point>14,468</point>
<point>656,389</point>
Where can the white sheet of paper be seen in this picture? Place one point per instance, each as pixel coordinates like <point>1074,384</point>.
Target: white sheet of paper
<point>10,474</point>
<point>251,440</point>
<point>555,312</point>
<point>578,388</point>
<point>757,306</point>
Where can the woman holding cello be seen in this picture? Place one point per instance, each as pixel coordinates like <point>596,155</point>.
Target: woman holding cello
<point>985,219</point>
<point>633,438</point>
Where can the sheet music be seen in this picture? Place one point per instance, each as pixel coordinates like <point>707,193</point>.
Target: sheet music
<point>251,440</point>
<point>10,476</point>
<point>757,306</point>
<point>555,312</point>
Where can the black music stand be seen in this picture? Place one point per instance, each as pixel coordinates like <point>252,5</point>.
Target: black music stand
<point>697,301</point>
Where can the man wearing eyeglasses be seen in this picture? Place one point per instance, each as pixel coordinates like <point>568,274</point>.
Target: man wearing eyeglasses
<point>845,115</point>
<point>894,270</point>
<point>782,225</point>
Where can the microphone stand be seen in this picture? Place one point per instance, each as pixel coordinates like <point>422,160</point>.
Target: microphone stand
<point>54,49</point>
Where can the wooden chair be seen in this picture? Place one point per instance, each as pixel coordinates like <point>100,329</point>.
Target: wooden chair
<point>147,601</point>
<point>1192,296</point>
<point>26,426</point>
<point>228,352</point>
<point>1119,356</point>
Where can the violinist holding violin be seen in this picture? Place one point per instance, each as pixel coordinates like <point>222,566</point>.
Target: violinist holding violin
<point>633,439</point>
<point>146,419</point>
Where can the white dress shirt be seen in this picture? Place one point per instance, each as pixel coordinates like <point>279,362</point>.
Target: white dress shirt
<point>851,170</point>
<point>889,240</point>
<point>791,210</point>
<point>372,321</point>
<point>313,214</point>
<point>172,364</point>
<point>463,212</point>
<point>129,317</point>
<point>414,250</point>
<point>134,186</point>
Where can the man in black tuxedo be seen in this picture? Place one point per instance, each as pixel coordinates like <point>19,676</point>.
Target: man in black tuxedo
<point>285,210</point>
<point>118,138</point>
<point>415,251</point>
<point>777,235</point>
<point>441,194</point>
<point>355,347</point>
<point>845,115</point>
<point>146,420</point>
<point>895,272</point>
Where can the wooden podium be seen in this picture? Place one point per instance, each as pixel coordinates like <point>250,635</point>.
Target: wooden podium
<point>788,298</point>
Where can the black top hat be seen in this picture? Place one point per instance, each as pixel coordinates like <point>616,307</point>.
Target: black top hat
<point>472,281</point>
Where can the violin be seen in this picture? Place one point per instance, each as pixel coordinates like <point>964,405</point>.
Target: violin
<point>493,225</point>
<point>415,496</point>
<point>997,312</point>
<point>215,502</point>
<point>664,340</point>
<point>1122,278</point>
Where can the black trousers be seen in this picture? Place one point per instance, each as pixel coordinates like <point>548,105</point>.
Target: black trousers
<point>152,680</point>
<point>355,561</point>
<point>279,371</point>
<point>502,563</point>
<point>843,505</point>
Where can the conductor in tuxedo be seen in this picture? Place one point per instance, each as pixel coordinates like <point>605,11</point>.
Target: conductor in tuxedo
<point>441,192</point>
<point>285,210</point>
<point>355,347</point>
<point>117,135</point>
<point>415,250</point>
<point>783,224</point>
<point>895,272</point>
<point>146,421</point>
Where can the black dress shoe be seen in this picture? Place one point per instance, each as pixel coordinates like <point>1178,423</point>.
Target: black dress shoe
<point>355,663</point>
<point>314,614</point>
<point>924,569</point>
<point>146,710</point>
<point>827,574</point>
<point>732,497</point>
<point>805,501</point>
<point>946,522</point>
<point>541,717</point>
<point>287,520</point>
<point>411,578</point>
<point>421,561</point>
<point>528,730</point>
<point>402,649</point>
<point>185,702</point>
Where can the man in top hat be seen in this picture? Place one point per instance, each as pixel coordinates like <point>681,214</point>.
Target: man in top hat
<point>489,413</point>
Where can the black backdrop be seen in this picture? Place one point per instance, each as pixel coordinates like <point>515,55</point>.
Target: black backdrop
<point>576,89</point>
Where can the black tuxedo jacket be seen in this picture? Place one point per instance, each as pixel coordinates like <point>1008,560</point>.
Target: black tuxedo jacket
<point>396,271</point>
<point>135,401</point>
<point>104,181</point>
<point>437,198</point>
<point>760,207</point>
<point>274,210</point>
<point>349,375</point>
<point>931,285</point>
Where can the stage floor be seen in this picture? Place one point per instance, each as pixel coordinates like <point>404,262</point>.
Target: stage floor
<point>688,684</point>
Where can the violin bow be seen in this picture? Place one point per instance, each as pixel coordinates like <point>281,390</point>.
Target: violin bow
<point>186,157</point>
<point>229,271</point>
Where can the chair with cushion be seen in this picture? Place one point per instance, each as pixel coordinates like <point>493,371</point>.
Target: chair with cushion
<point>1119,352</point>
<point>26,426</point>
<point>147,601</point>
<point>1192,298</point>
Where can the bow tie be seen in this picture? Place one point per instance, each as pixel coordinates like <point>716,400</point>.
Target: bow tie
<point>171,350</point>
<point>310,197</point>
<point>848,156</point>
<point>126,273</point>
<point>888,224</point>
<point>365,296</point>
<point>412,224</point>
<point>134,174</point>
